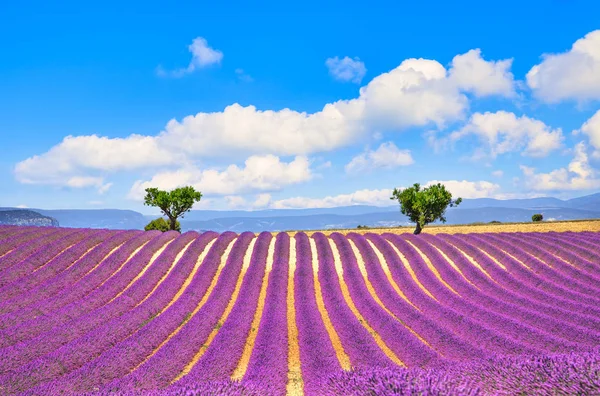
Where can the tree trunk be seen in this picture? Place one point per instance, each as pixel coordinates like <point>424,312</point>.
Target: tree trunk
<point>418,229</point>
<point>173,221</point>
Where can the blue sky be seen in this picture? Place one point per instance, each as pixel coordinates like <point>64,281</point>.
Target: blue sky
<point>296,105</point>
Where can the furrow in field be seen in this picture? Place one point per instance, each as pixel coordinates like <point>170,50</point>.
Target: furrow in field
<point>442,340</point>
<point>127,270</point>
<point>400,343</point>
<point>177,335</point>
<point>81,340</point>
<point>295,384</point>
<point>432,267</point>
<point>44,246</point>
<point>69,277</point>
<point>503,317</point>
<point>221,356</point>
<point>242,365</point>
<point>16,240</point>
<point>55,266</point>
<point>320,349</point>
<point>268,365</point>
<point>224,316</point>
<point>526,314</point>
<point>61,297</point>
<point>121,340</point>
<point>207,261</point>
<point>507,288</point>
<point>359,344</point>
<point>566,259</point>
<point>548,283</point>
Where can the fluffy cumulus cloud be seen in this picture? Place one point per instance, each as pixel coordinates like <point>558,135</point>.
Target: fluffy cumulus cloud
<point>202,56</point>
<point>578,175</point>
<point>503,132</point>
<point>260,173</point>
<point>470,72</point>
<point>346,69</point>
<point>417,93</point>
<point>387,156</point>
<point>591,128</point>
<point>574,74</point>
<point>469,189</point>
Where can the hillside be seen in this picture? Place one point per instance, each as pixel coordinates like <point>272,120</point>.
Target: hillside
<point>24,217</point>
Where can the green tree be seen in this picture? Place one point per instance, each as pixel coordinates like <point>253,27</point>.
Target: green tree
<point>537,217</point>
<point>161,224</point>
<point>172,203</point>
<point>424,206</point>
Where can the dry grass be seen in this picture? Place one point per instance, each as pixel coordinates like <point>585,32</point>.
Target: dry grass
<point>544,226</point>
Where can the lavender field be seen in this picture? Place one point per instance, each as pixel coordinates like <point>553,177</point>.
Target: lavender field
<point>86,311</point>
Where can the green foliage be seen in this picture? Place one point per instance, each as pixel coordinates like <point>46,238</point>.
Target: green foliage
<point>495,222</point>
<point>537,217</point>
<point>424,206</point>
<point>172,203</point>
<point>362,226</point>
<point>161,224</point>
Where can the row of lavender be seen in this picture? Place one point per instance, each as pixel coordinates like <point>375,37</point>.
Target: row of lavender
<point>100,331</point>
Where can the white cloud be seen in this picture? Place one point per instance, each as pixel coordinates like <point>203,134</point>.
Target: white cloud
<point>202,56</point>
<point>22,206</point>
<point>260,173</point>
<point>498,173</point>
<point>235,201</point>
<point>470,72</point>
<point>262,201</point>
<point>417,93</point>
<point>387,156</point>
<point>591,128</point>
<point>574,74</point>
<point>468,189</point>
<point>68,162</point>
<point>503,132</point>
<point>578,175</point>
<point>346,69</point>
<point>361,197</point>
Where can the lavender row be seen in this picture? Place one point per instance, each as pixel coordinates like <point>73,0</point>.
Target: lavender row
<point>356,340</point>
<point>15,238</point>
<point>70,276</point>
<point>551,282</point>
<point>525,315</point>
<point>494,313</point>
<point>84,286</point>
<point>41,257</point>
<point>268,364</point>
<point>581,268</point>
<point>223,354</point>
<point>29,245</point>
<point>98,298</point>
<point>506,287</point>
<point>500,323</point>
<point>405,345</point>
<point>317,356</point>
<point>86,357</point>
<point>552,267</point>
<point>527,283</point>
<point>170,359</point>
<point>55,265</point>
<point>470,330</point>
<point>441,339</point>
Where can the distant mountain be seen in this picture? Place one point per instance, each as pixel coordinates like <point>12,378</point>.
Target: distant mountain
<point>470,211</point>
<point>95,218</point>
<point>24,217</point>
